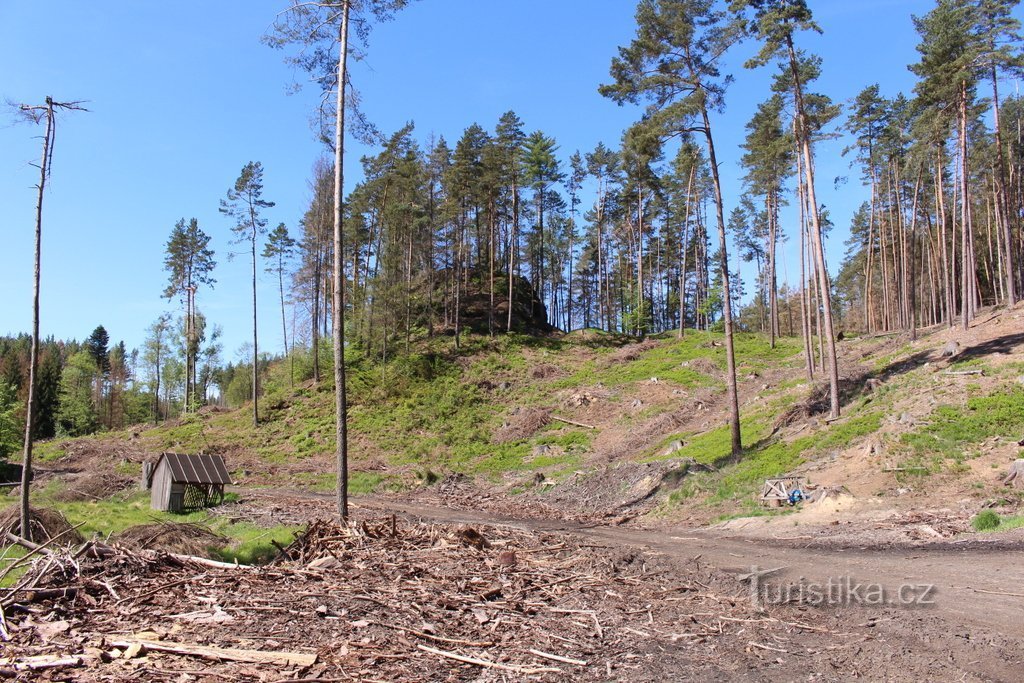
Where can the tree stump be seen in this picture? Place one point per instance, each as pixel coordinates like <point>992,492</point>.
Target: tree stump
<point>1015,477</point>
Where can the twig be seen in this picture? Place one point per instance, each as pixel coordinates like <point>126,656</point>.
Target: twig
<point>209,563</point>
<point>558,658</point>
<point>981,590</point>
<point>489,665</point>
<point>40,662</point>
<point>769,648</point>
<point>5,634</point>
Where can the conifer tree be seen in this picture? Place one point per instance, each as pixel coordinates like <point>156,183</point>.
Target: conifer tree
<point>189,262</point>
<point>775,22</point>
<point>279,249</point>
<point>541,169</point>
<point>673,64</point>
<point>509,138</point>
<point>322,29</point>
<point>244,204</point>
<point>769,162</point>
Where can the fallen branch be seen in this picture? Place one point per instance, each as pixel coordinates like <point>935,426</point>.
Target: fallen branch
<point>572,422</point>
<point>964,372</point>
<point>221,653</point>
<point>40,662</point>
<point>489,665</point>
<point>210,563</point>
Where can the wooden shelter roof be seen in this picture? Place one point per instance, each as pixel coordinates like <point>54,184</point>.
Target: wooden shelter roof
<point>195,469</point>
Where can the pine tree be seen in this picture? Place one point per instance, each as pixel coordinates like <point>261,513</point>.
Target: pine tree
<point>541,169</point>
<point>775,22</point>
<point>769,162</point>
<point>323,30</point>
<point>673,64</point>
<point>245,203</point>
<point>279,249</point>
<point>189,262</point>
<point>509,139</point>
<point>574,182</point>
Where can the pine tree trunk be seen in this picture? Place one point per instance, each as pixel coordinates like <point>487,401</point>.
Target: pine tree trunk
<point>824,286</point>
<point>341,399</point>
<point>255,350</point>
<point>685,245</point>
<point>1002,205</point>
<point>730,355</point>
<point>966,244</point>
<point>33,362</point>
<point>284,321</point>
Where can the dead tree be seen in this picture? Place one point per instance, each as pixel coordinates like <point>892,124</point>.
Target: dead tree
<point>37,113</point>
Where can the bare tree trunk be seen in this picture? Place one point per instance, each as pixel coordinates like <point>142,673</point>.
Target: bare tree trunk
<point>513,249</point>
<point>966,246</point>
<point>33,366</point>
<point>730,354</point>
<point>1002,205</point>
<point>255,349</point>
<point>682,271</point>
<point>805,304</point>
<point>824,285</point>
<point>284,321</point>
<point>341,399</point>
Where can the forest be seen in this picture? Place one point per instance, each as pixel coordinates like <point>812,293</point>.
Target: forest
<point>503,231</point>
<point>680,404</point>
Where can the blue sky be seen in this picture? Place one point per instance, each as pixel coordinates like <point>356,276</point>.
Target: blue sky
<point>183,94</point>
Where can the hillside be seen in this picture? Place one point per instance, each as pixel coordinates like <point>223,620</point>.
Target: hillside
<point>598,426</point>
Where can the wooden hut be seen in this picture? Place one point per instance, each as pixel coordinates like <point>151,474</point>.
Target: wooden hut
<point>180,483</point>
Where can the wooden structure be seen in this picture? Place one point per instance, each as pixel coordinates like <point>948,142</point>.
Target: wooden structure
<point>180,483</point>
<point>775,492</point>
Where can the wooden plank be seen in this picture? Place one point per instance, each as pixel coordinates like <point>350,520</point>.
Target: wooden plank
<point>221,653</point>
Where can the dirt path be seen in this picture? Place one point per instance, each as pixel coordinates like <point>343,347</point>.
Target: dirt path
<point>972,584</point>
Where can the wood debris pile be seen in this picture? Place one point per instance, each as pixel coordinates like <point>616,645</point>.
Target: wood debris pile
<point>389,600</point>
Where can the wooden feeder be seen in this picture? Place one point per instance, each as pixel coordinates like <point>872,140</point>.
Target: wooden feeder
<point>180,483</point>
<point>775,492</point>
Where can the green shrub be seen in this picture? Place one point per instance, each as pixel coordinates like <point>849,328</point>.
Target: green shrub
<point>985,520</point>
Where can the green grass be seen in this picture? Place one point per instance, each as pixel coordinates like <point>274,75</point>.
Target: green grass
<point>952,430</point>
<point>738,479</point>
<point>9,555</point>
<point>986,520</point>
<point>251,544</point>
<point>247,543</point>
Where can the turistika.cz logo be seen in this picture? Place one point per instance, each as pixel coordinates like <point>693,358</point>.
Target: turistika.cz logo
<point>838,591</point>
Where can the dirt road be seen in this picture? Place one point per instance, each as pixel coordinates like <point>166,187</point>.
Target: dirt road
<point>966,584</point>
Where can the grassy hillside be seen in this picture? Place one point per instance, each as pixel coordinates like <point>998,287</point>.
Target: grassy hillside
<point>490,409</point>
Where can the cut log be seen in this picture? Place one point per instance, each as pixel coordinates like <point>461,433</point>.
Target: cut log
<point>220,653</point>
